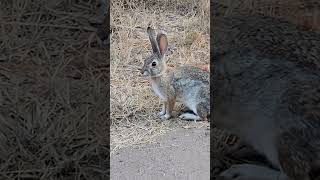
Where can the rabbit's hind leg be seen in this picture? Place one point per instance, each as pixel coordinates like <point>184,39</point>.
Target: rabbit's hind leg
<point>200,112</point>
<point>189,116</point>
<point>185,109</point>
<point>203,110</point>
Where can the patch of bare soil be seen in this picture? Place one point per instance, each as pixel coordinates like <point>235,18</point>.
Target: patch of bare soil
<point>179,154</point>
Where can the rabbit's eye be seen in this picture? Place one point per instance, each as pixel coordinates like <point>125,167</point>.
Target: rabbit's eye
<point>153,64</point>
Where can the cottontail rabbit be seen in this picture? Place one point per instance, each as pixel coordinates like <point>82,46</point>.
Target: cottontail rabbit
<point>188,85</point>
<point>266,90</point>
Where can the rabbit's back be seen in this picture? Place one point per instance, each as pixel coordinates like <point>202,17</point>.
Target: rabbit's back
<point>192,72</point>
<point>191,86</point>
<point>186,79</point>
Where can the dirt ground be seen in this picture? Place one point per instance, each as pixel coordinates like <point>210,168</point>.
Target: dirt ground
<point>179,154</point>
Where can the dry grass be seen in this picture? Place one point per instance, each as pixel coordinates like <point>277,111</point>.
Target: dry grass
<point>302,12</point>
<point>52,91</point>
<point>133,104</point>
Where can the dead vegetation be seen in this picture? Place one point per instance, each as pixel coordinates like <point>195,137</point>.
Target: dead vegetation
<point>302,12</point>
<point>53,95</point>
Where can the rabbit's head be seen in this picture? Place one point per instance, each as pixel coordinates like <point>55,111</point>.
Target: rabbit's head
<point>155,64</point>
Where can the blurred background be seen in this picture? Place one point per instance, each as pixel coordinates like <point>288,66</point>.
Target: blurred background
<point>53,90</point>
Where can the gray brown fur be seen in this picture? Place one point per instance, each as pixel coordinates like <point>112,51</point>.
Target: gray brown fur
<point>266,90</point>
<point>187,84</point>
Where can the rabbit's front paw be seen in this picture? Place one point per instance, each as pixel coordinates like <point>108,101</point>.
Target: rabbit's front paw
<point>161,113</point>
<point>165,117</point>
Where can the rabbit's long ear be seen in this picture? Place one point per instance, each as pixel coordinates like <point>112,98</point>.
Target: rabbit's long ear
<point>153,41</point>
<point>162,43</point>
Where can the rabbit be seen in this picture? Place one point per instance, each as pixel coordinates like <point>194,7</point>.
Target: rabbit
<point>186,84</point>
<point>266,90</point>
